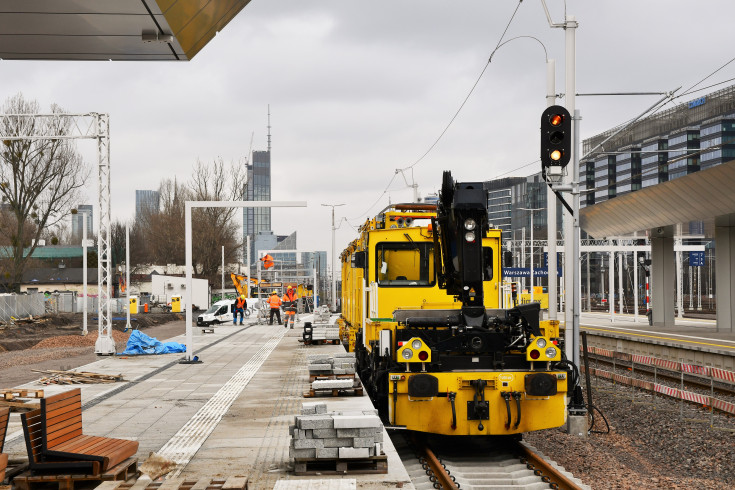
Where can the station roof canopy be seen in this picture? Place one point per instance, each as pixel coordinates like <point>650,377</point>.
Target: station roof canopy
<point>706,195</point>
<point>173,30</point>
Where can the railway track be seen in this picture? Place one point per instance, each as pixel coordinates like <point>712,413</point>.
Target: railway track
<point>472,463</point>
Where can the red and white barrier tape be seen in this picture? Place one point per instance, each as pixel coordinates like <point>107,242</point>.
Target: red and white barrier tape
<point>716,373</point>
<point>672,392</point>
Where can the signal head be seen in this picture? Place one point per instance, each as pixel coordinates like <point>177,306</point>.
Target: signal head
<point>556,137</point>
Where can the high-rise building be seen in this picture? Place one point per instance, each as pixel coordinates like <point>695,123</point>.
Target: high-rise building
<point>257,188</point>
<point>689,137</point>
<point>315,260</point>
<point>77,225</point>
<point>500,203</point>
<point>146,202</point>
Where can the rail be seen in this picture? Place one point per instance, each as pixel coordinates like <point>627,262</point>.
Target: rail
<point>548,473</point>
<point>460,471</point>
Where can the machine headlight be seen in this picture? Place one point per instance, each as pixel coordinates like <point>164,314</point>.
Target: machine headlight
<point>469,224</point>
<point>407,354</point>
<point>416,344</point>
<point>551,352</point>
<point>469,236</point>
<point>541,343</point>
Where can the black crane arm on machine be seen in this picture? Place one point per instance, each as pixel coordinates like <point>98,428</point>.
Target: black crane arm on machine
<point>461,223</point>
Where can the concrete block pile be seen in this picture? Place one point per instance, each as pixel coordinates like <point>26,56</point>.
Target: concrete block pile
<point>322,314</point>
<point>317,434</point>
<point>324,331</point>
<point>330,364</point>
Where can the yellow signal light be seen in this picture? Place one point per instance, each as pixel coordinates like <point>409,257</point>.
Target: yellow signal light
<point>555,155</point>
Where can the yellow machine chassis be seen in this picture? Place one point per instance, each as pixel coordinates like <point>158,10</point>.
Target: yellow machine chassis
<point>434,415</point>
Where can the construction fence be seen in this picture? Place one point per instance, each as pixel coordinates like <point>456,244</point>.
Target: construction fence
<point>39,304</point>
<point>712,373</point>
<point>21,305</point>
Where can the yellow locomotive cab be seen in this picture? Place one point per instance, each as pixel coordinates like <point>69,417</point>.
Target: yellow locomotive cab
<point>421,309</point>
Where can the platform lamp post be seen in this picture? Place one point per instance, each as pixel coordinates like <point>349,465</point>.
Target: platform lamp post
<point>532,210</point>
<point>127,274</point>
<point>84,214</point>
<point>334,275</point>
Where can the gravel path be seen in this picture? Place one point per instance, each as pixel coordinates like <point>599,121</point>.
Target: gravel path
<point>67,352</point>
<point>649,444</point>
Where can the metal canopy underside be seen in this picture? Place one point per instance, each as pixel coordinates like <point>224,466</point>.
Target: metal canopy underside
<point>699,196</point>
<point>111,29</point>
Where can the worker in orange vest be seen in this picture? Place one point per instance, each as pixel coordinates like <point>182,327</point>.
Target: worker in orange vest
<point>267,261</point>
<point>289,305</point>
<point>275,303</point>
<point>240,305</point>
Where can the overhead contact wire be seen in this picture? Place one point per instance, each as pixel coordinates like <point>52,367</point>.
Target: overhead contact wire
<point>490,58</point>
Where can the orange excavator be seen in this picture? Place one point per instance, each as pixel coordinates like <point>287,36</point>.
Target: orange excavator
<point>241,285</point>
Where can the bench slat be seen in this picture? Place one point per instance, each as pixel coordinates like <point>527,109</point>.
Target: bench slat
<point>63,436</point>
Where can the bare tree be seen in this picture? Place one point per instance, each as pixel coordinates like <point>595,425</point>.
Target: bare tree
<point>214,228</point>
<point>39,179</point>
<point>165,228</point>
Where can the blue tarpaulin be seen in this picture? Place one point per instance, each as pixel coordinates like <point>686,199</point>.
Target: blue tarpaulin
<point>140,343</point>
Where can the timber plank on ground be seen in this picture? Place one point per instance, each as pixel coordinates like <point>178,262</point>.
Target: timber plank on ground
<point>124,471</point>
<point>314,466</point>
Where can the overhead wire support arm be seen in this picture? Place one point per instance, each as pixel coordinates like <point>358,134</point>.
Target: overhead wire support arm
<point>594,94</point>
<point>669,95</point>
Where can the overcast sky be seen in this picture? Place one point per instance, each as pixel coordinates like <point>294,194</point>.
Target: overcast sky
<point>360,89</point>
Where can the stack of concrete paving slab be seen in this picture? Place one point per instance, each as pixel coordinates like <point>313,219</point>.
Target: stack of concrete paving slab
<point>336,435</point>
<point>328,364</point>
<point>322,331</point>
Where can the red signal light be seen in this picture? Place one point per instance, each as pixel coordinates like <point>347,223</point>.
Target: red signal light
<point>535,354</point>
<point>423,355</point>
<point>556,119</point>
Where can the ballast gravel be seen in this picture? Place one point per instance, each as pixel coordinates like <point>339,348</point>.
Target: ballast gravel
<point>653,442</point>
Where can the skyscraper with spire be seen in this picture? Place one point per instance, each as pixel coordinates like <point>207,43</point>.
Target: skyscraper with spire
<point>257,188</point>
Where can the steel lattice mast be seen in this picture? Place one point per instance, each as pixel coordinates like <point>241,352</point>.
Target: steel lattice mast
<point>97,127</point>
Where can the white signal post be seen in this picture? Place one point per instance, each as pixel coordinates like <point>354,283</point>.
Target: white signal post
<point>553,280</point>
<point>334,272</point>
<point>84,271</point>
<point>127,273</point>
<point>571,187</point>
<point>189,358</point>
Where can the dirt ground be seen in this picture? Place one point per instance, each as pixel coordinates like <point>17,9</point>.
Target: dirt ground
<point>55,342</point>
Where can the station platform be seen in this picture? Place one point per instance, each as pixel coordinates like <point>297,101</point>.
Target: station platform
<point>226,416</point>
<point>690,340</point>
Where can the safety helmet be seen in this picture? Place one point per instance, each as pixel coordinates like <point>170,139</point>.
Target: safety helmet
<point>242,296</point>
<point>274,293</point>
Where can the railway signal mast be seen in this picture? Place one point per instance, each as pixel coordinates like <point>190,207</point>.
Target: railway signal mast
<point>562,140</point>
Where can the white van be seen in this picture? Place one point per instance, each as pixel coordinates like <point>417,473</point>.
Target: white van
<point>221,312</point>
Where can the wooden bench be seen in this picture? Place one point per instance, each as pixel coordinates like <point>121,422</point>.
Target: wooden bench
<point>63,438</point>
<point>4,415</point>
<point>38,464</point>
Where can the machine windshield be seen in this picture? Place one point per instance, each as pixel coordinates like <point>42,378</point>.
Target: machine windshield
<point>405,264</point>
